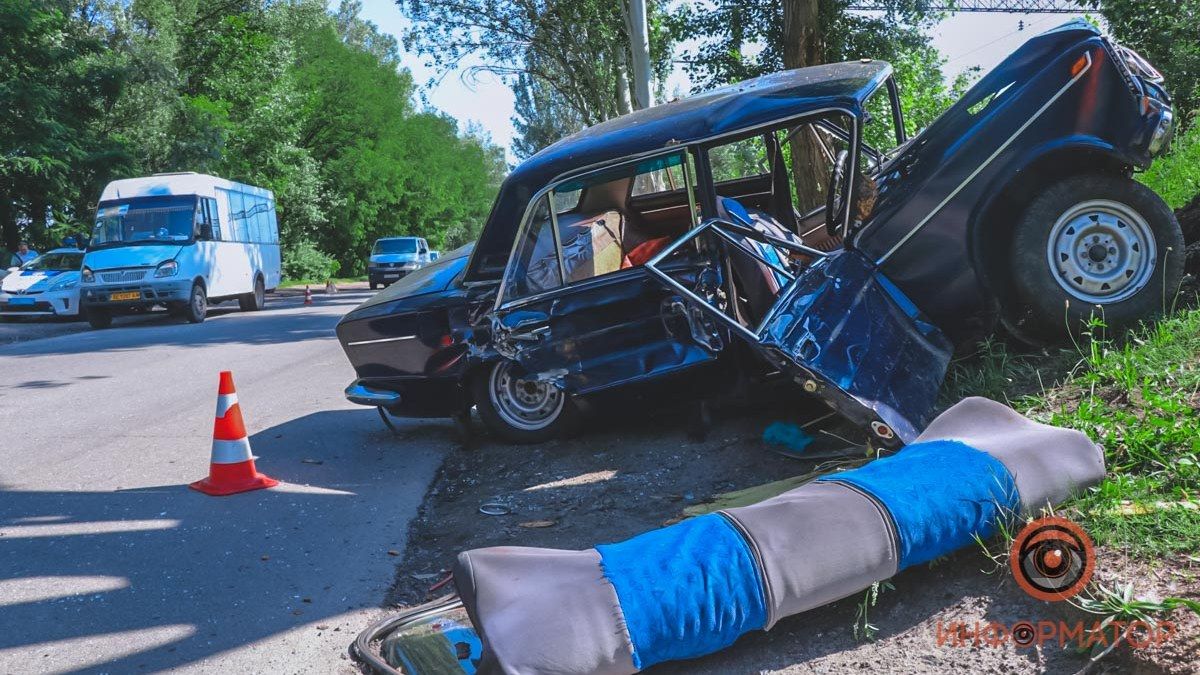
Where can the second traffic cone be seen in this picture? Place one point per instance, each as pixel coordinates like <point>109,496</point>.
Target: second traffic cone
<point>232,468</point>
<point>307,295</point>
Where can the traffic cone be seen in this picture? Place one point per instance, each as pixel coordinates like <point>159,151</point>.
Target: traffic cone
<point>232,467</point>
<point>307,295</point>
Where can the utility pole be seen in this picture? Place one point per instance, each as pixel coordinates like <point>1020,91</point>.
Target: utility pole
<point>639,48</point>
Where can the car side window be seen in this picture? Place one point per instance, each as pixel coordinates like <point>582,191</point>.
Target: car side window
<point>534,268</point>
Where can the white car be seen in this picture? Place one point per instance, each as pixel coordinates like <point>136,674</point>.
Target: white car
<point>48,285</point>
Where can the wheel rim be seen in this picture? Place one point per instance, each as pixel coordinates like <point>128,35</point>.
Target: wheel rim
<point>1101,251</point>
<point>522,403</point>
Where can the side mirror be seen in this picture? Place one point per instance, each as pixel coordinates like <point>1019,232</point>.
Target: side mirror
<point>13,269</point>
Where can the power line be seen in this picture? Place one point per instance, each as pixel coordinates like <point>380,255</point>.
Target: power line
<point>1009,6</point>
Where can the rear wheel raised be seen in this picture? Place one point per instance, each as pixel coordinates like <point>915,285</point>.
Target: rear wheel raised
<point>1096,245</point>
<point>520,409</point>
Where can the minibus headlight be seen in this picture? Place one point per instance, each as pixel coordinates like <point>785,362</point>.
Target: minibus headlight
<point>167,268</point>
<point>87,276</point>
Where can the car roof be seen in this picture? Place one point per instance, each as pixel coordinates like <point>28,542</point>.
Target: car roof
<point>760,101</point>
<point>396,238</point>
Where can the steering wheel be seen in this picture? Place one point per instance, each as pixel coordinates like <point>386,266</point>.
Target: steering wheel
<point>835,206</point>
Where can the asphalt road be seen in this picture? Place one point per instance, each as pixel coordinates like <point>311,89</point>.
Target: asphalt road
<point>109,563</point>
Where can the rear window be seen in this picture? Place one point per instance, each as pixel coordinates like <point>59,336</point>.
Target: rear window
<point>395,246</point>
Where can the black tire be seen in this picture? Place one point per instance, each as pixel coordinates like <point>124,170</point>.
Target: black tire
<point>1096,228</point>
<point>197,306</point>
<point>374,285</point>
<point>98,317</point>
<point>254,300</point>
<point>502,418</point>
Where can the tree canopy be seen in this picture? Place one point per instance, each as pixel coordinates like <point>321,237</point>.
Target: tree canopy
<point>312,104</point>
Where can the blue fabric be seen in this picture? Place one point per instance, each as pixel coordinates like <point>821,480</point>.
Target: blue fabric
<point>686,590</point>
<point>789,435</point>
<point>939,494</point>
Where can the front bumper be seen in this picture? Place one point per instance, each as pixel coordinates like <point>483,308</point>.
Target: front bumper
<point>364,395</point>
<point>149,292</point>
<point>390,273</point>
<point>52,303</point>
<point>411,396</point>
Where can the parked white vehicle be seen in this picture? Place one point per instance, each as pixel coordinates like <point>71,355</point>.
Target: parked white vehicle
<point>394,257</point>
<point>48,285</point>
<point>180,240</point>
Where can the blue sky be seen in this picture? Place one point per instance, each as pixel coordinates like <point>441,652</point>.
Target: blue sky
<point>967,40</point>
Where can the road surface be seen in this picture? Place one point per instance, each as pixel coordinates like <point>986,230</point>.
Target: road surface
<point>109,563</point>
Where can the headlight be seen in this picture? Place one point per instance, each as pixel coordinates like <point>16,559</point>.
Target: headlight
<point>63,284</point>
<point>167,268</point>
<point>87,276</point>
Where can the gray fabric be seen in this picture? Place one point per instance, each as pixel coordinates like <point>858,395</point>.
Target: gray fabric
<point>818,543</point>
<point>545,611</point>
<point>1048,463</point>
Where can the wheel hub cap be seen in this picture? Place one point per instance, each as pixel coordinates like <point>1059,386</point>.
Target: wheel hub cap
<point>525,403</point>
<point>1101,251</point>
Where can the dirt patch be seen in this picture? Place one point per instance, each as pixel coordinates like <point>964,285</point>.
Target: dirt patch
<point>631,473</point>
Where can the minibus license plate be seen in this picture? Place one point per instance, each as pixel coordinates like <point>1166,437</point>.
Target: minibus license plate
<point>128,295</point>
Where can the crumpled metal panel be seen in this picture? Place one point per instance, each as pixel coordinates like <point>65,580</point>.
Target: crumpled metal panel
<point>847,325</point>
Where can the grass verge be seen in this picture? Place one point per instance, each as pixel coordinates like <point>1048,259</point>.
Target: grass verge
<point>292,283</point>
<point>1140,399</point>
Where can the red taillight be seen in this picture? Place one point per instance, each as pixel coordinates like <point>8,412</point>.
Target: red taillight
<point>445,341</point>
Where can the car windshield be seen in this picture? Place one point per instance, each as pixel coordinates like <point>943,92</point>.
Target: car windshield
<point>145,220</point>
<point>55,262</point>
<point>395,246</point>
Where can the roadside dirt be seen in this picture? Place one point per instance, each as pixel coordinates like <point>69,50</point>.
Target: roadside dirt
<point>634,471</point>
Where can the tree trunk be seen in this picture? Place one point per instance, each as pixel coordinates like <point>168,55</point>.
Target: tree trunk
<point>803,46</point>
<point>9,236</point>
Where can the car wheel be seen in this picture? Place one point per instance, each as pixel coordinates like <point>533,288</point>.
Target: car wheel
<point>197,307</point>
<point>374,285</point>
<point>1096,245</point>
<point>98,317</point>
<point>254,300</point>
<point>521,410</point>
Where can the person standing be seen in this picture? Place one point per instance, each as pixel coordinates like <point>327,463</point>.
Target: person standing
<point>24,253</point>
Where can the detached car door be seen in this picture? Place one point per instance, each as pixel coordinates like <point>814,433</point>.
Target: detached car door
<point>838,326</point>
<point>577,306</point>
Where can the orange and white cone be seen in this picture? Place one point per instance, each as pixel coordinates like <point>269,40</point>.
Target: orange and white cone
<point>232,467</point>
<point>307,295</point>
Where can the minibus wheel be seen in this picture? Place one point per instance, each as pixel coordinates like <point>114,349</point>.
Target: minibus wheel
<point>254,300</point>
<point>197,307</point>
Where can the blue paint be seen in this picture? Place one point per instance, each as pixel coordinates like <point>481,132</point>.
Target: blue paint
<point>686,590</point>
<point>939,494</point>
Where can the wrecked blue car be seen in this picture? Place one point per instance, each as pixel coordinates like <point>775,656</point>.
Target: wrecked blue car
<point>791,218</point>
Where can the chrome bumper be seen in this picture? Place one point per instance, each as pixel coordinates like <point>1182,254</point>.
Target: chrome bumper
<point>357,393</point>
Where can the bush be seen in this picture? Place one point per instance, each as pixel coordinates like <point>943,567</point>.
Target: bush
<point>303,261</point>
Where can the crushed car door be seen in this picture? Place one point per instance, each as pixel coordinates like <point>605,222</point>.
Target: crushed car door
<point>578,308</point>
<point>837,326</point>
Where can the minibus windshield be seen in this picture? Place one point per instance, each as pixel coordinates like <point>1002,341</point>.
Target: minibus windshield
<point>145,220</point>
<point>406,245</point>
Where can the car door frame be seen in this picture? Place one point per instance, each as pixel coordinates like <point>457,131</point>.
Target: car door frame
<point>506,339</point>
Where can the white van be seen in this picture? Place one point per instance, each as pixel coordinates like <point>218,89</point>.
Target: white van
<point>181,240</point>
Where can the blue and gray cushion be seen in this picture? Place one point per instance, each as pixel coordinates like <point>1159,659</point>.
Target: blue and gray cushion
<point>695,587</point>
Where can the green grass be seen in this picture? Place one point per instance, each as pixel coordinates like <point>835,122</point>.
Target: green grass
<point>292,283</point>
<point>1176,176</point>
<point>1140,399</point>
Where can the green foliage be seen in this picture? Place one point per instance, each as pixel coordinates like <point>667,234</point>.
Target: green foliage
<point>1176,176</point>
<point>1138,398</point>
<point>303,261</point>
<point>1165,32</point>
<point>311,105</point>
<point>567,61</point>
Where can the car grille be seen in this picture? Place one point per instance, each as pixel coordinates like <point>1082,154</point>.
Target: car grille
<point>122,277</point>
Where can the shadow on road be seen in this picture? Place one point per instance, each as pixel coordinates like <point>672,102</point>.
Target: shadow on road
<point>194,576</point>
<point>286,320</point>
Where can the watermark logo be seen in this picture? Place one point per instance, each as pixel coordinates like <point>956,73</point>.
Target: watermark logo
<point>1052,559</point>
